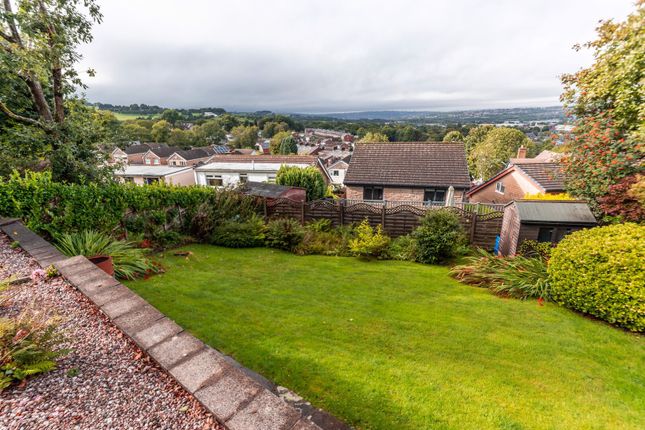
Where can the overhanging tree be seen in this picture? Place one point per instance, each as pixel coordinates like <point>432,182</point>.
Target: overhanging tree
<point>38,52</point>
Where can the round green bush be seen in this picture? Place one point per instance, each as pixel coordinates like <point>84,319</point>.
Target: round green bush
<point>601,272</point>
<point>439,237</point>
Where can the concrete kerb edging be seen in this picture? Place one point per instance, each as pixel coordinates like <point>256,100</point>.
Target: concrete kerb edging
<point>237,397</point>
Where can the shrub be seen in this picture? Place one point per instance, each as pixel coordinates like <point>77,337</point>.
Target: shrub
<point>129,261</point>
<point>518,276</point>
<point>599,271</point>
<point>533,249</point>
<point>284,233</point>
<point>320,225</point>
<point>403,248</point>
<point>29,344</point>
<point>240,234</point>
<point>622,201</point>
<point>219,208</point>
<point>334,241</point>
<point>439,237</point>
<point>368,241</point>
<point>308,178</point>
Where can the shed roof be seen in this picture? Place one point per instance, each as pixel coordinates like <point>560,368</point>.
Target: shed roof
<point>152,171</point>
<point>265,189</point>
<point>554,212</point>
<point>417,164</point>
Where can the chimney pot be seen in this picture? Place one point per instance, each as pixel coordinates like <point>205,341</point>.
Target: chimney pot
<point>521,152</point>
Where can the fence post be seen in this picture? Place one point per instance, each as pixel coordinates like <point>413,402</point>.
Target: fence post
<point>302,213</point>
<point>341,211</point>
<point>473,226</point>
<point>383,215</point>
<point>264,208</point>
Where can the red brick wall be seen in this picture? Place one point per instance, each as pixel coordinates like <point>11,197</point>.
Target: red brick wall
<point>397,194</point>
<point>516,187</point>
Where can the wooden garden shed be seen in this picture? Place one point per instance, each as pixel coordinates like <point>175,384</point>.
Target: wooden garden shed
<point>541,220</point>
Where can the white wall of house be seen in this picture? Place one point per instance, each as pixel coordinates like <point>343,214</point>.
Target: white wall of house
<point>231,174</point>
<point>337,175</point>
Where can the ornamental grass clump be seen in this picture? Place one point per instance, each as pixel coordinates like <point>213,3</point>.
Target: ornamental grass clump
<point>129,261</point>
<point>519,277</point>
<point>284,233</point>
<point>601,272</point>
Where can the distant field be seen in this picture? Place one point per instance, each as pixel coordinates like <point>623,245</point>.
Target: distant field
<point>126,116</point>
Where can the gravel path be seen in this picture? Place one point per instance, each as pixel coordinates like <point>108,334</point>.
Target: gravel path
<point>103,383</point>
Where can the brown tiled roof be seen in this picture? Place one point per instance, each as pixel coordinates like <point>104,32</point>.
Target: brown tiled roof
<point>141,148</point>
<point>548,175</point>
<point>194,154</point>
<point>418,164</point>
<point>242,158</point>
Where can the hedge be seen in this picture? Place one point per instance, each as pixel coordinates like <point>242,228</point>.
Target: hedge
<point>600,272</point>
<point>51,208</point>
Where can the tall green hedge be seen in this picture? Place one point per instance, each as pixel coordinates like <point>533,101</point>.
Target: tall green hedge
<point>601,272</point>
<point>49,207</point>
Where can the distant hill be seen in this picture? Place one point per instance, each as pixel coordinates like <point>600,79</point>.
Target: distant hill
<point>465,116</point>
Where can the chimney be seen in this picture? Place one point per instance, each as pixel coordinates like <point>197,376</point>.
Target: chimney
<point>521,152</point>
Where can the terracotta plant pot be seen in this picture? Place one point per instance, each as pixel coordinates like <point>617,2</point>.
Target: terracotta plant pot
<point>103,262</point>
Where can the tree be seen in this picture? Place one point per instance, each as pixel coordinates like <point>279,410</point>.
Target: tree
<point>209,133</point>
<point>272,127</point>
<point>476,136</point>
<point>160,131</point>
<point>179,137</point>
<point>288,146</point>
<point>308,178</point>
<point>38,54</point>
<point>276,141</point>
<point>492,155</point>
<point>607,103</point>
<point>171,115</point>
<point>407,134</point>
<point>453,136</point>
<point>371,137</point>
<point>135,132</point>
<point>244,136</point>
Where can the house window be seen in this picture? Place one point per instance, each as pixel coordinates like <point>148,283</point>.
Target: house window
<point>434,195</point>
<point>499,187</point>
<point>545,234</point>
<point>214,181</point>
<point>150,180</point>
<point>271,179</point>
<point>156,161</point>
<point>372,193</point>
<point>335,172</point>
<point>147,161</point>
<point>244,178</point>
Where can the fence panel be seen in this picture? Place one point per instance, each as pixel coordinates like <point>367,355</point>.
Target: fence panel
<point>482,223</point>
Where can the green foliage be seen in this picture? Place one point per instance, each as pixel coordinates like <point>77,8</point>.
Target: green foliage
<point>518,277</point>
<point>160,131</point>
<point>322,239</point>
<point>29,344</point>
<point>208,133</point>
<point>244,136</point>
<point>371,137</point>
<point>129,262</point>
<point>439,237</point>
<point>599,271</point>
<point>308,178</point>
<point>284,233</point>
<point>535,249</point>
<point>403,248</point>
<point>288,146</point>
<point>453,136</point>
<point>476,136</point>
<point>220,207</point>
<point>276,141</point>
<point>492,154</point>
<point>248,233</point>
<point>53,208</point>
<point>14,245</point>
<point>369,242</point>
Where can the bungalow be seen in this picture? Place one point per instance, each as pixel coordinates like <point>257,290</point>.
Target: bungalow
<point>141,174</point>
<point>540,175</point>
<point>229,170</point>
<point>407,171</point>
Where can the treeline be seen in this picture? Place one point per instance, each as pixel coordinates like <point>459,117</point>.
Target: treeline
<point>144,109</point>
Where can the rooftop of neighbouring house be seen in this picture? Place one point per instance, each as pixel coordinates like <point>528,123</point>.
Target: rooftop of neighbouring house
<point>416,164</point>
<point>151,171</point>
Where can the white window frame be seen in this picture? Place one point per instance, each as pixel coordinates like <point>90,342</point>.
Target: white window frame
<point>499,187</point>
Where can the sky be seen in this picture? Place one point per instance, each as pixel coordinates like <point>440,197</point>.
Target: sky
<point>340,55</point>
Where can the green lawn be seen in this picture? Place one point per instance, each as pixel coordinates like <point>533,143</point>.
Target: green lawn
<point>396,345</point>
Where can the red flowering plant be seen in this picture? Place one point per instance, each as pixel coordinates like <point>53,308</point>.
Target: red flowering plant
<point>600,155</point>
<point>622,202</point>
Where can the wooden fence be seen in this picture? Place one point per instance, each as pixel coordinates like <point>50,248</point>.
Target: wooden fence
<point>481,222</point>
